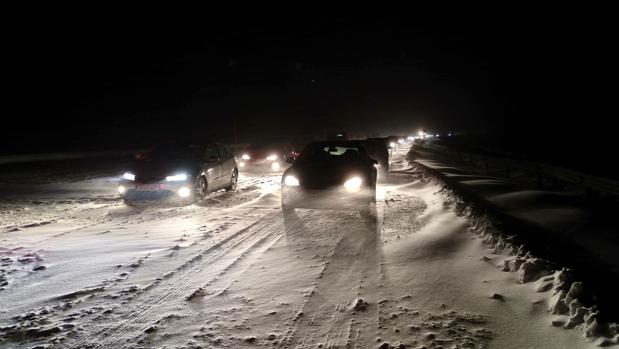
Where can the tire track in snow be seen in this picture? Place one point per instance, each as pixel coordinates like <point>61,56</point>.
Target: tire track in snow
<point>133,320</point>
<point>351,263</point>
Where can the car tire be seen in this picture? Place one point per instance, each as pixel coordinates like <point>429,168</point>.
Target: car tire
<point>201,190</point>
<point>234,180</point>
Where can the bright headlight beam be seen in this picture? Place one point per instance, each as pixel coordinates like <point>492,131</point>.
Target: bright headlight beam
<point>272,157</point>
<point>121,189</point>
<point>129,176</point>
<point>353,184</point>
<point>176,177</point>
<point>291,181</point>
<point>184,192</point>
<point>275,166</point>
<point>245,157</point>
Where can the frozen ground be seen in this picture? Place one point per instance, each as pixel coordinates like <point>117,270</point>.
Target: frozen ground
<point>79,269</point>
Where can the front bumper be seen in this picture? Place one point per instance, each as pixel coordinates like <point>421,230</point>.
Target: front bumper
<point>261,165</point>
<point>155,191</point>
<point>333,199</point>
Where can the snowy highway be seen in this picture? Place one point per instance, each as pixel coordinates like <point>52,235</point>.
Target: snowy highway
<point>80,269</point>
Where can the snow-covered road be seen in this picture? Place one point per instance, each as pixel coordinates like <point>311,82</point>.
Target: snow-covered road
<point>80,269</point>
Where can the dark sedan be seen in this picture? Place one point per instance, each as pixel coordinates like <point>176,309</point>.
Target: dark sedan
<point>331,175</point>
<point>184,173</point>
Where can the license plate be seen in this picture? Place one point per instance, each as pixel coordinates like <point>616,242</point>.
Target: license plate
<point>149,187</point>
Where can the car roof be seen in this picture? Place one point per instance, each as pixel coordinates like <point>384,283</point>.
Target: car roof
<point>342,143</point>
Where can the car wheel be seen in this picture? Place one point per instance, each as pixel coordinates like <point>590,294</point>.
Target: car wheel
<point>234,180</point>
<point>201,190</point>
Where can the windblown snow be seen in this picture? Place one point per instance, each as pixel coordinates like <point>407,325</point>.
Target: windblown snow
<point>80,269</point>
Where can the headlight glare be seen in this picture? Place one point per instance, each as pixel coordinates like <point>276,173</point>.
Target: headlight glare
<point>272,157</point>
<point>176,177</point>
<point>353,184</point>
<point>184,192</point>
<point>129,176</point>
<point>291,181</point>
<point>245,157</point>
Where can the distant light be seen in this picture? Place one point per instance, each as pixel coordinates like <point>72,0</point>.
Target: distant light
<point>177,177</point>
<point>129,176</point>
<point>184,192</point>
<point>449,134</point>
<point>436,135</point>
<point>421,133</point>
<point>245,157</point>
<point>121,189</point>
<point>291,181</point>
<point>272,157</point>
<point>392,144</point>
<point>275,166</point>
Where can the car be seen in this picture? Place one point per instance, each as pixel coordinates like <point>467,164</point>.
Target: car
<point>181,172</point>
<point>264,158</point>
<point>331,175</point>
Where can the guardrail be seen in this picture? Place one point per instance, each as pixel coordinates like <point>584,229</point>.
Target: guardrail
<point>589,182</point>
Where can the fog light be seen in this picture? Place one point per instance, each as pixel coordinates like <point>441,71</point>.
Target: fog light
<point>184,192</point>
<point>275,166</point>
<point>353,184</point>
<point>121,189</point>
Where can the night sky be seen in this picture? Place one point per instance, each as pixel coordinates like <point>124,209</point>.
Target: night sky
<point>103,78</point>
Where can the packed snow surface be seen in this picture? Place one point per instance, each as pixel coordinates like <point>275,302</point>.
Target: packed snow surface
<point>80,269</point>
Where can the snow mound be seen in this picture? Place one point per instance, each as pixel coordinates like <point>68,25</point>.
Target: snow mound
<point>566,297</point>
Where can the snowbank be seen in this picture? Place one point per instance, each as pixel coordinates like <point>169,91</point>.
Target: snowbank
<point>564,296</point>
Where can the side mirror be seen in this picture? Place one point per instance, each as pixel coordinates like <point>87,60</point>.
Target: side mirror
<point>213,158</point>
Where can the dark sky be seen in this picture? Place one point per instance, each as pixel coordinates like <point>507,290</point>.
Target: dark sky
<point>113,77</point>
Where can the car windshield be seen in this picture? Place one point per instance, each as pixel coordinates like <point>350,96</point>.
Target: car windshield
<point>177,152</point>
<point>331,152</point>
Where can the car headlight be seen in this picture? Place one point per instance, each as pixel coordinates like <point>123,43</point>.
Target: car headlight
<point>184,192</point>
<point>291,181</point>
<point>176,177</point>
<point>272,157</point>
<point>129,176</point>
<point>353,184</point>
<point>245,157</point>
<point>121,189</point>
